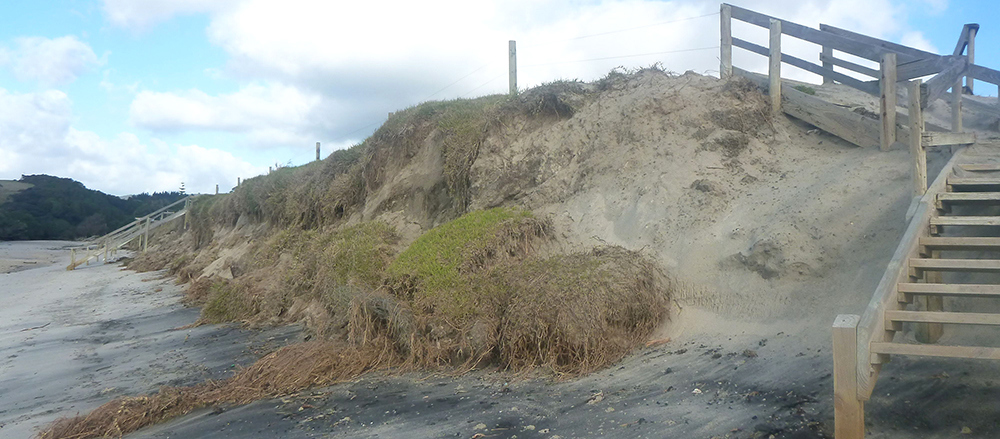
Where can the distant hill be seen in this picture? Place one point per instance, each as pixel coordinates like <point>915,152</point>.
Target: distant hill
<point>47,207</point>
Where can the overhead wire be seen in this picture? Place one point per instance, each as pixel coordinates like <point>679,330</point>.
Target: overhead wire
<point>621,30</point>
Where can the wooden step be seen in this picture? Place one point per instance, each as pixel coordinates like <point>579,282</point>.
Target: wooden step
<point>908,290</point>
<point>974,183</point>
<point>958,318</point>
<point>980,167</point>
<point>969,198</point>
<point>960,243</point>
<point>929,350</point>
<point>967,265</point>
<point>965,221</point>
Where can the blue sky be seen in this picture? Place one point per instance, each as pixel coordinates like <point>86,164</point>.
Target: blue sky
<point>133,96</point>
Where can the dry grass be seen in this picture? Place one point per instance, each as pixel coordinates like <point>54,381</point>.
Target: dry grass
<point>751,115</point>
<point>282,372</point>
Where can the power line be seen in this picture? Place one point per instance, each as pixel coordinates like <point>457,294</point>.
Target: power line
<point>456,81</point>
<point>624,56</point>
<point>483,84</point>
<point>622,30</point>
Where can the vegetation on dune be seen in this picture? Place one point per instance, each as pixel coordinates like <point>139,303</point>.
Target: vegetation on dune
<point>476,290</point>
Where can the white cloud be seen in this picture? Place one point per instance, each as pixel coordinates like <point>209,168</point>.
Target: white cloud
<point>56,61</point>
<point>141,14</point>
<point>917,40</point>
<point>36,137</point>
<point>269,114</point>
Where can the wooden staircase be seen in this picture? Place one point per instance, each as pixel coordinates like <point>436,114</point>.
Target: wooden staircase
<point>925,272</point>
<point>108,244</point>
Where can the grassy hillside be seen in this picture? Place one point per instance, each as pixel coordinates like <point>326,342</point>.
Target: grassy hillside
<point>46,207</point>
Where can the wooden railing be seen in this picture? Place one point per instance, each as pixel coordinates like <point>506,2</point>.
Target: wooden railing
<point>897,63</point>
<point>110,243</point>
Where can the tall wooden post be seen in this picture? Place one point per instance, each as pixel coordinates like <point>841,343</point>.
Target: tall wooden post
<point>972,55</point>
<point>237,182</point>
<point>827,65</point>
<point>317,151</point>
<point>956,106</point>
<point>916,139</point>
<point>216,189</point>
<point>887,102</point>
<point>512,61</point>
<point>848,409</point>
<point>726,44</point>
<point>774,67</point>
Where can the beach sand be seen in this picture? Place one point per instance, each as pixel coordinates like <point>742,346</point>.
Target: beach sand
<point>73,340</point>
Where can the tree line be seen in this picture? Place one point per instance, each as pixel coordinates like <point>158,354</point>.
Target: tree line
<point>61,209</point>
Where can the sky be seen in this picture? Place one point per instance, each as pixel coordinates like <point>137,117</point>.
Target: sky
<point>132,96</point>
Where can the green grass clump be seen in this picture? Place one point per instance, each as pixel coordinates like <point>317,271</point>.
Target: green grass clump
<point>229,302</point>
<point>438,266</point>
<point>806,89</point>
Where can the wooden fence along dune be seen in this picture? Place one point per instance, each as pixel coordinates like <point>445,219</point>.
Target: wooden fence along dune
<point>912,288</point>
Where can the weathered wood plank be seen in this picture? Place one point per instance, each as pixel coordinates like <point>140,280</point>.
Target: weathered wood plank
<point>905,52</point>
<point>833,61</point>
<point>980,167</point>
<point>887,100</point>
<point>774,66</point>
<point>984,198</point>
<point>975,352</point>
<point>726,41</point>
<point>841,122</point>
<point>849,411</point>
<point>978,183</point>
<point>870,88</point>
<point>815,36</point>
<point>923,67</point>
<point>960,290</point>
<point>825,55</point>
<point>931,138</point>
<point>984,74</point>
<point>966,221</point>
<point>957,318</point>
<point>941,82</point>
<point>872,327</point>
<point>917,152</point>
<point>962,265</point>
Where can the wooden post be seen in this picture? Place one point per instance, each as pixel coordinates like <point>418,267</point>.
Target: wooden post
<point>827,52</point>
<point>216,189</point>
<point>105,252</point>
<point>774,67</point>
<point>72,258</point>
<point>848,409</point>
<point>512,60</point>
<point>317,151</point>
<point>916,140</point>
<point>956,106</point>
<point>726,45</point>
<point>237,182</point>
<point>145,237</point>
<point>972,55</point>
<point>887,103</point>
<point>931,332</point>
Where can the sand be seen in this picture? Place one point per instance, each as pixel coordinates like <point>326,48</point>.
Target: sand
<point>72,340</point>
